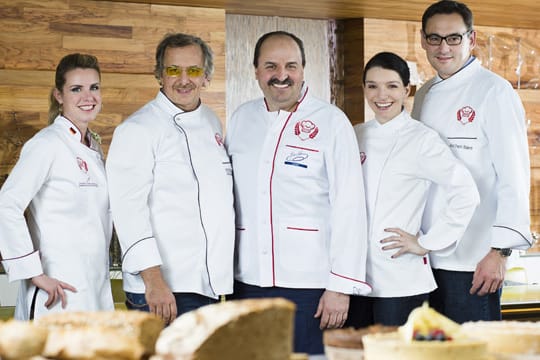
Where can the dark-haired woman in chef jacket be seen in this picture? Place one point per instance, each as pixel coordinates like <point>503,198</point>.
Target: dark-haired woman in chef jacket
<point>60,250</point>
<point>401,158</point>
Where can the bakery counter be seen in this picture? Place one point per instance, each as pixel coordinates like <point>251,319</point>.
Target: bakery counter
<point>521,302</point>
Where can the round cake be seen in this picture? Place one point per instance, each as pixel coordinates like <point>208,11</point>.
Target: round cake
<point>506,338</point>
<point>427,335</point>
<point>391,346</point>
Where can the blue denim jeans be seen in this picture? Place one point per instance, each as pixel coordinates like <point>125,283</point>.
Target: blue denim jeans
<point>391,311</point>
<point>307,335</point>
<point>452,298</point>
<point>184,302</point>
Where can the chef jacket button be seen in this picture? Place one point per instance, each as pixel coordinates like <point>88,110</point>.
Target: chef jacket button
<point>265,252</point>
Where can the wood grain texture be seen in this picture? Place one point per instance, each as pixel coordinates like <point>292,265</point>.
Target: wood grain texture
<point>521,14</point>
<point>35,35</point>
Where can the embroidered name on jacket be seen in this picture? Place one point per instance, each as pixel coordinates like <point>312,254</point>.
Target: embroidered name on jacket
<point>297,159</point>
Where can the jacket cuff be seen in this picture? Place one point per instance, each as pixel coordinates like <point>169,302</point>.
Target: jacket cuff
<point>141,255</point>
<point>24,267</point>
<point>514,238</point>
<point>346,285</point>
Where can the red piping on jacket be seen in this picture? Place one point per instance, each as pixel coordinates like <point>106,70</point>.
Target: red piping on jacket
<point>271,179</point>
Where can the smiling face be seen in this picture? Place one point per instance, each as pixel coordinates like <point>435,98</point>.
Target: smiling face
<point>80,96</point>
<point>280,72</point>
<point>184,91</point>
<point>446,59</point>
<point>385,93</point>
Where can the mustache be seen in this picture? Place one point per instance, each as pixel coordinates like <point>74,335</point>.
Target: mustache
<point>275,81</point>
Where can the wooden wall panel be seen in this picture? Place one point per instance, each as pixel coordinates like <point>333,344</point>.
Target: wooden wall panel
<point>35,34</point>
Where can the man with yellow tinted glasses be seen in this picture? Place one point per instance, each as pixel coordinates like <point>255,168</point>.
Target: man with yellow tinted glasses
<point>170,184</point>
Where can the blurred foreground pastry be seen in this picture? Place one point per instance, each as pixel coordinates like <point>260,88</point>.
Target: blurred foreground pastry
<point>21,340</point>
<point>427,335</point>
<point>346,344</point>
<point>253,329</point>
<point>508,339</point>
<point>103,335</point>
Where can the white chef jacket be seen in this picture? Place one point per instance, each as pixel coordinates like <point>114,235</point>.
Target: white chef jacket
<point>483,121</point>
<point>170,184</point>
<point>67,231</point>
<point>401,159</point>
<point>301,219</point>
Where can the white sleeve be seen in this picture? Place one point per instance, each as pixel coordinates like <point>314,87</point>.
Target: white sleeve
<point>506,131</point>
<point>437,164</point>
<point>130,164</point>
<point>20,259</point>
<point>348,222</point>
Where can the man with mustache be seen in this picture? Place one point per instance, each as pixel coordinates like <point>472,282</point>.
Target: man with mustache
<point>299,196</point>
<point>170,184</point>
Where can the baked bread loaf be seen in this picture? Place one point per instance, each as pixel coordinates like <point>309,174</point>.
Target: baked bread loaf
<point>91,343</point>
<point>109,334</point>
<point>21,340</point>
<point>253,329</point>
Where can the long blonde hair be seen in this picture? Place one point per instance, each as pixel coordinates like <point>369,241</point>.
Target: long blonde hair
<point>68,63</point>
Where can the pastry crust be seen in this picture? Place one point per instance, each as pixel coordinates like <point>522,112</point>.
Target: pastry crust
<point>21,340</point>
<point>254,329</point>
<point>351,338</point>
<point>507,337</point>
<point>108,334</point>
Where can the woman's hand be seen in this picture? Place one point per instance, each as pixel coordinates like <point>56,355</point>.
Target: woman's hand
<point>54,288</point>
<point>404,242</point>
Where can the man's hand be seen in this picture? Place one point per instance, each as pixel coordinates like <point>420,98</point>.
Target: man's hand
<point>333,309</point>
<point>54,288</point>
<point>158,295</point>
<point>404,242</point>
<point>489,274</point>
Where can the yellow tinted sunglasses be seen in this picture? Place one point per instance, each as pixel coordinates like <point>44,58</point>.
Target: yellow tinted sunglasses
<point>191,71</point>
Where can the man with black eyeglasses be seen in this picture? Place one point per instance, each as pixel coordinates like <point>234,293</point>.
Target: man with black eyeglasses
<point>483,121</point>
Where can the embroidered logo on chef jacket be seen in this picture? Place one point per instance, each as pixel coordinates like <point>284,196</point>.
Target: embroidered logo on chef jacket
<point>219,139</point>
<point>362,157</point>
<point>306,129</point>
<point>297,159</point>
<point>466,115</point>
<point>83,166</point>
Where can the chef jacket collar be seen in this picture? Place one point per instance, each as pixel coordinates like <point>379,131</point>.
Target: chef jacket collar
<point>171,109</point>
<point>463,72</point>
<point>294,107</point>
<point>71,129</point>
<point>393,125</point>
<point>74,133</point>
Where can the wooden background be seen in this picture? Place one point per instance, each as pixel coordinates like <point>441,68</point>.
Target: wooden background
<point>35,34</point>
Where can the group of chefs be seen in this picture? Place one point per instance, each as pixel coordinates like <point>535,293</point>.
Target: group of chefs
<point>356,226</point>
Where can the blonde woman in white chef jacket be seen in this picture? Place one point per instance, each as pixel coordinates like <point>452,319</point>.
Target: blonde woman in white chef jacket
<point>401,158</point>
<point>60,250</point>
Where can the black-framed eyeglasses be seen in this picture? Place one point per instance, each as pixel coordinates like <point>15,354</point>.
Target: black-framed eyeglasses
<point>451,40</point>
